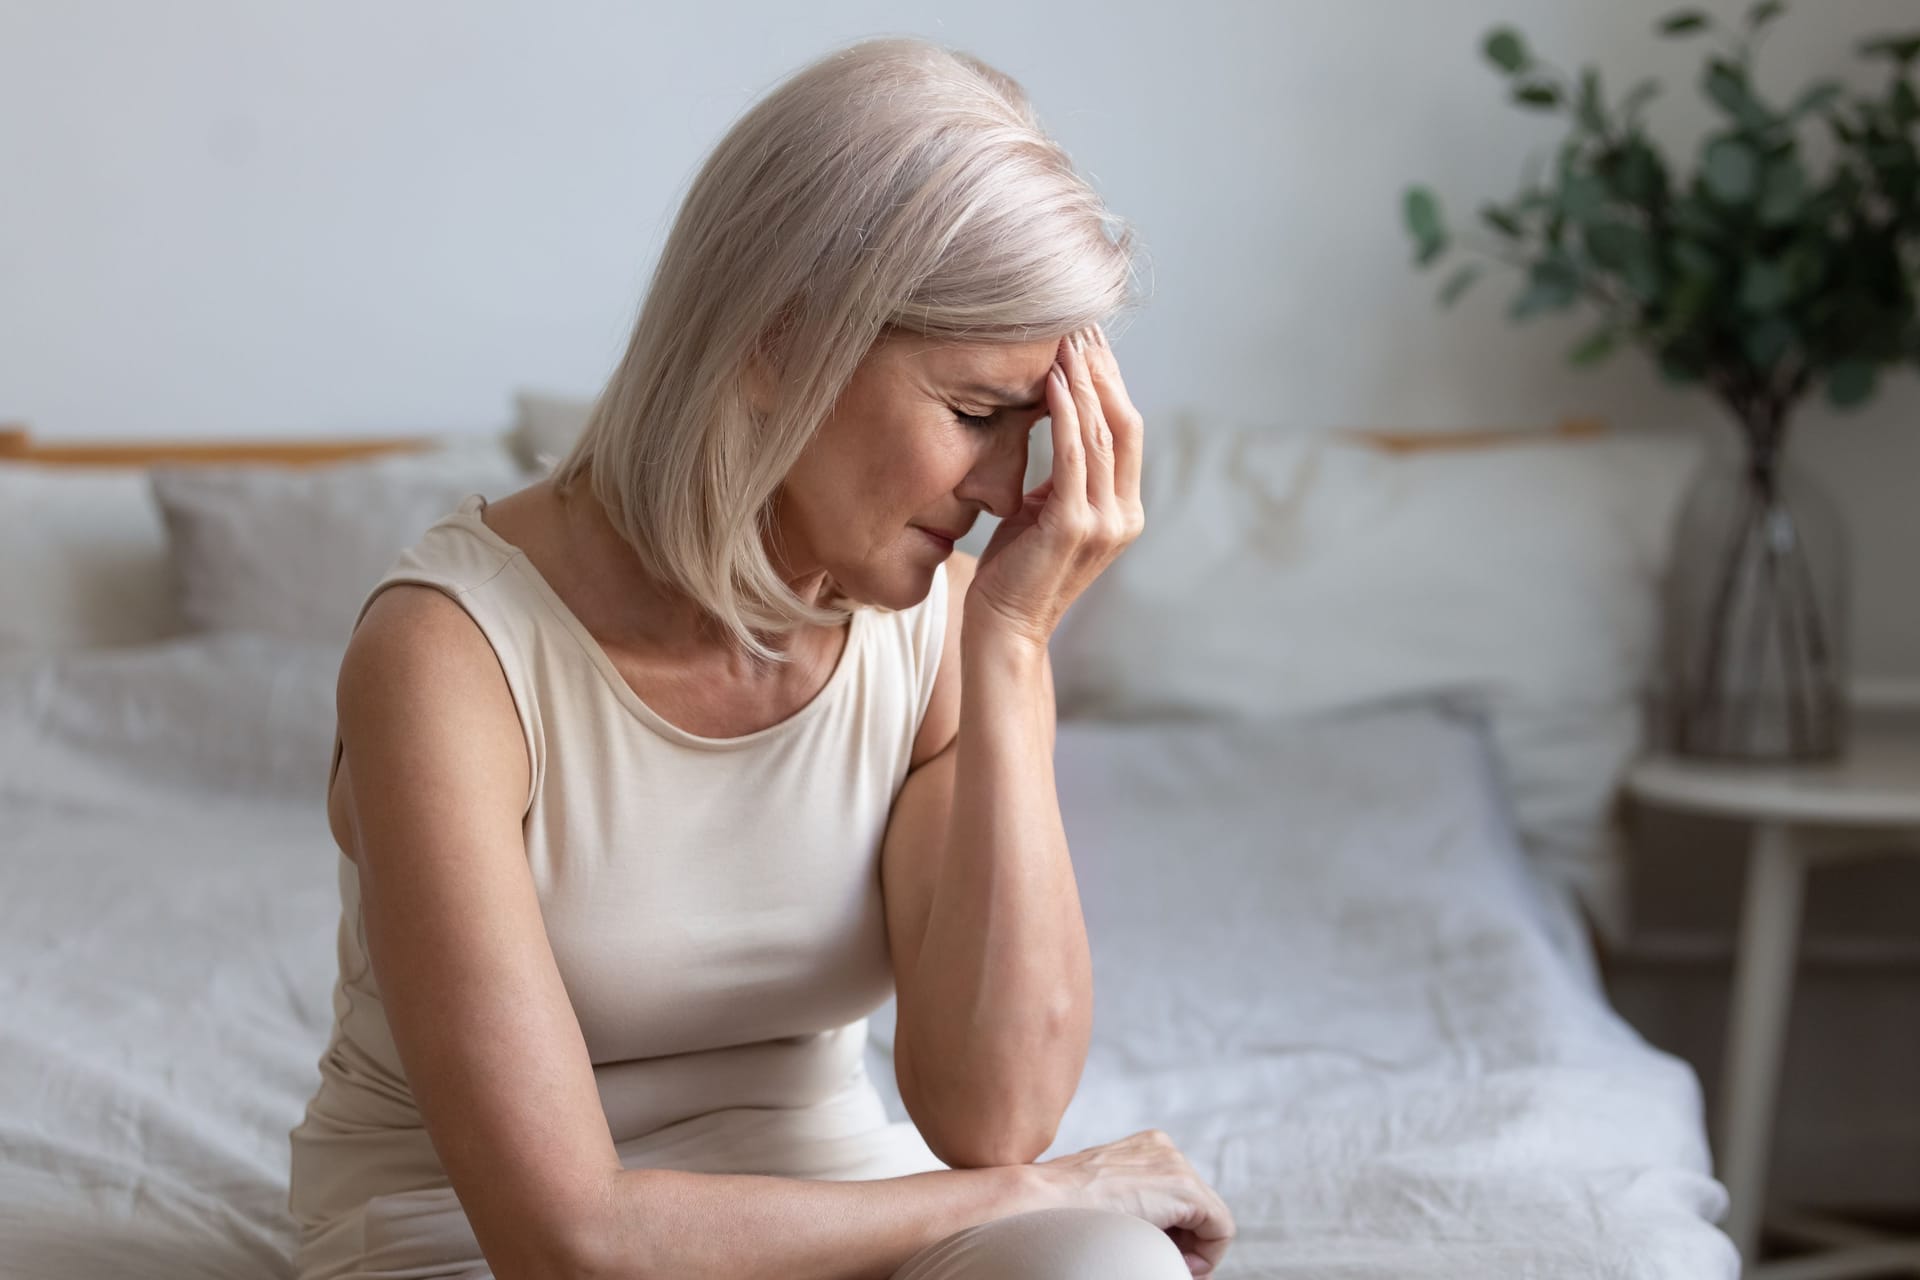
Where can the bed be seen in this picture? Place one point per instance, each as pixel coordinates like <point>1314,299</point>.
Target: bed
<point>1329,961</point>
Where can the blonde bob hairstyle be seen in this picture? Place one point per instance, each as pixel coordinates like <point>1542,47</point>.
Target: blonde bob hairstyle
<point>893,185</point>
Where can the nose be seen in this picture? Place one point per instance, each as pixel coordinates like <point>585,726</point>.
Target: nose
<point>996,479</point>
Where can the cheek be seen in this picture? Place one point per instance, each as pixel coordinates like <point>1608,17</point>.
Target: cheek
<point>935,464</point>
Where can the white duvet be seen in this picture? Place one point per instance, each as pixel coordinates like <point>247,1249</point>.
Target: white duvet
<point>1321,965</point>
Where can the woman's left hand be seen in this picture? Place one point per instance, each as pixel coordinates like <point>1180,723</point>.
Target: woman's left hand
<point>1076,522</point>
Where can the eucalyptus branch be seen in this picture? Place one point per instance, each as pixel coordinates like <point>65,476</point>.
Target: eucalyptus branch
<point>1717,271</point>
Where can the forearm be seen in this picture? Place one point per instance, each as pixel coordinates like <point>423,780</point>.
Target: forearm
<point>665,1223</point>
<point>994,1034</point>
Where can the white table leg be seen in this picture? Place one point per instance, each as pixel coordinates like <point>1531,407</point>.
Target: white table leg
<point>1762,996</point>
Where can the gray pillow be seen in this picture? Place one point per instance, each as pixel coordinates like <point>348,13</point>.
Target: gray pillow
<point>292,550</point>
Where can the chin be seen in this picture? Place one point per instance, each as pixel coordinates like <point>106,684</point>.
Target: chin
<point>907,584</point>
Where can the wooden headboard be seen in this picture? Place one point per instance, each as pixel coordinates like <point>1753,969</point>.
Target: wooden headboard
<point>1402,441</point>
<point>17,446</point>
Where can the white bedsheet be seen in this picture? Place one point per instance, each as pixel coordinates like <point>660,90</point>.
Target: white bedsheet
<point>1320,966</point>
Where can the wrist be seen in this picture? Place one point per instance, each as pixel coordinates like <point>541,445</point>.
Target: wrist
<point>1036,1186</point>
<point>1000,644</point>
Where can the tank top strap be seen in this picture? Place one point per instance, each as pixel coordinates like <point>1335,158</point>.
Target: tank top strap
<point>473,573</point>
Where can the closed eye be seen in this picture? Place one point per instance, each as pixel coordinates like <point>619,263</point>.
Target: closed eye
<point>977,421</point>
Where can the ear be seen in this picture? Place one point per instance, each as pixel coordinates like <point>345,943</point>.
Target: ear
<point>759,381</point>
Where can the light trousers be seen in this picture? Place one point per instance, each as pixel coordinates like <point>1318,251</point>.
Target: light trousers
<point>426,1236</point>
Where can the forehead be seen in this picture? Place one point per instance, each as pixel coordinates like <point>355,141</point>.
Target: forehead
<point>1006,370</point>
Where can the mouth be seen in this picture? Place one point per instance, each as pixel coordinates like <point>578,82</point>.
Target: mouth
<point>941,540</point>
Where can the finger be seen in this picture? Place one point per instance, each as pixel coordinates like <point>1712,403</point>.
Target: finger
<point>1093,422</point>
<point>1123,421</point>
<point>1198,1264</point>
<point>1069,476</point>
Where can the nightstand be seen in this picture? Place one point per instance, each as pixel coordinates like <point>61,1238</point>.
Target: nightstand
<point>1803,816</point>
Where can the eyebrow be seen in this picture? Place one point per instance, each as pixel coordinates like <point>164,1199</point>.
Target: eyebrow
<point>1006,397</point>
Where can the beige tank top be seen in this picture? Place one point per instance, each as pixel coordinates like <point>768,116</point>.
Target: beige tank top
<point>713,904</point>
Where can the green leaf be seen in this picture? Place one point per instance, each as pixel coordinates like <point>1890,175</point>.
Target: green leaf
<point>1614,244</point>
<point>1627,251</point>
<point>1683,22</point>
<point>1764,285</point>
<point>1851,382</point>
<point>1814,98</point>
<point>1783,192</point>
<point>1767,341</point>
<point>1902,49</point>
<point>1690,300</point>
<point>1422,212</point>
<point>1726,84</point>
<point>1505,49</point>
<point>1695,258</point>
<point>1731,169</point>
<point>1552,284</point>
<point>1538,95</point>
<point>1502,221</point>
<point>1636,172</point>
<point>1458,283</point>
<point>1906,107</point>
<point>1592,109</point>
<point>1583,197</point>
<point>1593,348</point>
<point>1696,216</point>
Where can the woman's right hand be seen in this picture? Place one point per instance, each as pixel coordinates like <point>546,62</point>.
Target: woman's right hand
<point>1145,1175</point>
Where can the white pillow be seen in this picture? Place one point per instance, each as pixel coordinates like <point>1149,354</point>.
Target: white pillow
<point>85,559</point>
<point>292,551</point>
<point>1301,572</point>
<point>545,427</point>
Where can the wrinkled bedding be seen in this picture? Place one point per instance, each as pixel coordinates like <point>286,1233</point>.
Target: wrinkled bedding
<point>1322,965</point>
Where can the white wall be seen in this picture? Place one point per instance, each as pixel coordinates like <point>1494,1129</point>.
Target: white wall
<point>370,217</point>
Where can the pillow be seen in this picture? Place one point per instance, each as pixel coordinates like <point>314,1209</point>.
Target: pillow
<point>545,427</point>
<point>86,559</point>
<point>1285,573</point>
<point>166,722</point>
<point>292,551</point>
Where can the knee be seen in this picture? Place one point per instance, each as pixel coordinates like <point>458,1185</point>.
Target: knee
<point>1056,1244</point>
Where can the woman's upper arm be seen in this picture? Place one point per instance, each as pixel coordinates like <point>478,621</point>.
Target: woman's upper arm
<point>438,776</point>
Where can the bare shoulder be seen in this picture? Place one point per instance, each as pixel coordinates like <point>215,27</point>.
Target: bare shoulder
<point>421,690</point>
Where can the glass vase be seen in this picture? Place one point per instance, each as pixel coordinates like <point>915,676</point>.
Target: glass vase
<point>1755,613</point>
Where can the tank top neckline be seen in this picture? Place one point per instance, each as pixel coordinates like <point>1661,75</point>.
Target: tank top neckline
<point>467,516</point>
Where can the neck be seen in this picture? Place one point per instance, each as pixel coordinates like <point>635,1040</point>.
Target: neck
<point>642,611</point>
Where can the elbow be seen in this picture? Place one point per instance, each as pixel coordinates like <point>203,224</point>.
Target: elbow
<point>579,1248</point>
<point>991,1146</point>
<point>568,1257</point>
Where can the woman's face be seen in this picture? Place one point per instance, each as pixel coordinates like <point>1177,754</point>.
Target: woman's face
<point>895,458</point>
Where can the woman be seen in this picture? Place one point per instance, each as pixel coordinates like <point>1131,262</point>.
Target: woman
<point>655,778</point>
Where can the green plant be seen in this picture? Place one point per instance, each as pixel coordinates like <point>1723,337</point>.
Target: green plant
<point>1751,276</point>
